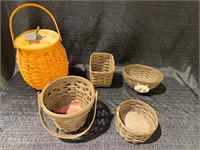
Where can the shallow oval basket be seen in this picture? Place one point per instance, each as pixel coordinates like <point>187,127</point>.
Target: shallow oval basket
<point>136,121</point>
<point>142,78</point>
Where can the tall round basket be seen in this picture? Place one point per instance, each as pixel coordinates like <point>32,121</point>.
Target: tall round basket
<point>40,54</point>
<point>60,92</point>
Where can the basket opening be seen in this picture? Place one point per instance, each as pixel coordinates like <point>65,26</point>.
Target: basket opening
<point>61,94</point>
<point>137,118</point>
<point>143,74</point>
<point>102,63</point>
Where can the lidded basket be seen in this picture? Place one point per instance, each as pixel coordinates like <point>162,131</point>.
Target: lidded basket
<point>40,54</point>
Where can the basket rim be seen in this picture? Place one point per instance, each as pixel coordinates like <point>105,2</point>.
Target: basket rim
<point>88,107</point>
<point>102,72</point>
<point>130,130</point>
<point>143,66</point>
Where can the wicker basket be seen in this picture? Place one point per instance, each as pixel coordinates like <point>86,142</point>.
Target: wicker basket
<point>136,121</point>
<point>40,63</point>
<point>102,67</point>
<point>61,92</point>
<point>142,76</point>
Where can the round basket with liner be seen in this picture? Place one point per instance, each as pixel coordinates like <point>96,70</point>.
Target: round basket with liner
<point>60,92</point>
<point>135,120</point>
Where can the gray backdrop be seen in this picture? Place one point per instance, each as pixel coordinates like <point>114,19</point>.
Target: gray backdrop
<point>159,34</point>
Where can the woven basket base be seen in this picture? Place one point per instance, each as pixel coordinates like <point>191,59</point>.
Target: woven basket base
<point>135,121</point>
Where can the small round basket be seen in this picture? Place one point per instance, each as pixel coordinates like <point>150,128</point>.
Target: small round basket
<point>136,121</point>
<point>142,78</point>
<point>61,92</point>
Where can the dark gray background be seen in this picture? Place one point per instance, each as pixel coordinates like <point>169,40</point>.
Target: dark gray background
<point>164,35</point>
<point>159,34</point>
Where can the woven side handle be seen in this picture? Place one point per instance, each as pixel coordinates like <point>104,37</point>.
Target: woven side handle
<point>30,5</point>
<point>70,136</point>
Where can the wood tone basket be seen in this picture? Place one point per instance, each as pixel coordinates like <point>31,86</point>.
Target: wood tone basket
<point>102,67</point>
<point>135,74</point>
<point>61,92</point>
<point>40,66</point>
<point>132,129</point>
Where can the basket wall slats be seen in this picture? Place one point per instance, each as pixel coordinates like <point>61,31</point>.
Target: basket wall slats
<point>102,66</point>
<point>39,68</point>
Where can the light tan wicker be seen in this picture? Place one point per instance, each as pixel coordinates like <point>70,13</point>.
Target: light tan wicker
<point>102,67</point>
<point>61,92</point>
<point>135,74</point>
<point>136,121</point>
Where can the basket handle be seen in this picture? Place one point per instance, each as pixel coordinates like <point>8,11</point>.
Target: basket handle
<point>72,136</point>
<point>30,5</point>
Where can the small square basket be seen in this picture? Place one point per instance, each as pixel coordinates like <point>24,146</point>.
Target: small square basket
<point>102,67</point>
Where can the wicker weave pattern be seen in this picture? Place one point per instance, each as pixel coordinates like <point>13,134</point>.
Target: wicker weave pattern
<point>61,92</point>
<point>102,66</point>
<point>40,67</point>
<point>145,75</point>
<point>143,109</point>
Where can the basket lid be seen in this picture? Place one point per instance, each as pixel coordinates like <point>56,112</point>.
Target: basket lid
<point>49,37</point>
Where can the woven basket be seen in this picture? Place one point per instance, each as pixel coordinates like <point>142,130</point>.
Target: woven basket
<point>61,92</point>
<point>42,64</point>
<point>136,121</point>
<point>102,67</point>
<point>136,74</point>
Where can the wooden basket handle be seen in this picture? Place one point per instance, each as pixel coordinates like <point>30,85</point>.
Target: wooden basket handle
<point>30,5</point>
<point>70,136</point>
